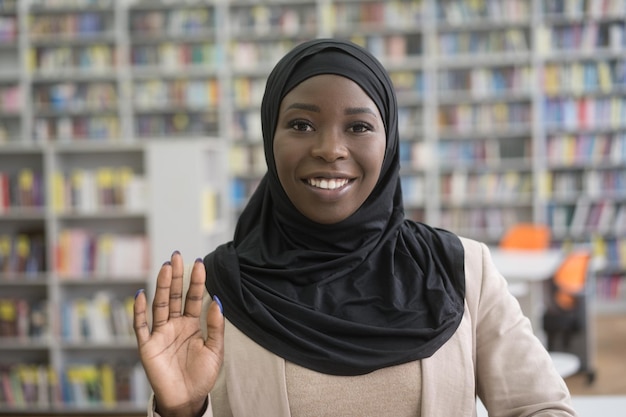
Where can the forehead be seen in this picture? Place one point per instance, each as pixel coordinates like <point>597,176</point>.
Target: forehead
<point>331,90</point>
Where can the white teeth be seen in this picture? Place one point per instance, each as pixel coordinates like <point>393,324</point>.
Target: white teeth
<point>331,184</point>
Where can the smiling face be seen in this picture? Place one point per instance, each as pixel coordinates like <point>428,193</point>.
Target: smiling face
<point>329,147</point>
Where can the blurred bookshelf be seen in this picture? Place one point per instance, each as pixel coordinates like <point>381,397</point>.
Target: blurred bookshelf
<point>531,102</point>
<point>510,111</point>
<point>84,117</point>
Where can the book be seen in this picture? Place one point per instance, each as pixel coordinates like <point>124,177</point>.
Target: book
<point>580,217</point>
<point>107,385</point>
<point>8,318</point>
<point>129,256</point>
<point>99,317</point>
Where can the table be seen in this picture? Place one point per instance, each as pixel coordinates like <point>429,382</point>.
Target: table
<point>586,406</point>
<point>566,364</point>
<point>533,268</point>
<point>527,265</point>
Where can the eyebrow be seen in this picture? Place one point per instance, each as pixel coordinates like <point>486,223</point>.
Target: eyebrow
<point>357,110</point>
<point>302,106</point>
<point>314,108</point>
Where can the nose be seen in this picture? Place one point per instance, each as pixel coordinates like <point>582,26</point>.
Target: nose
<point>330,146</point>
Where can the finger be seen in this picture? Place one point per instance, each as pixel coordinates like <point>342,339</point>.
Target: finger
<point>193,302</point>
<point>140,319</point>
<point>161,302</point>
<point>215,328</point>
<point>176,291</point>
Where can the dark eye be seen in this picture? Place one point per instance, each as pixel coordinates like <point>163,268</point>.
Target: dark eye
<point>360,127</point>
<point>300,125</point>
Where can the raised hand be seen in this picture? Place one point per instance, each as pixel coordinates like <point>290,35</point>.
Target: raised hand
<point>180,364</point>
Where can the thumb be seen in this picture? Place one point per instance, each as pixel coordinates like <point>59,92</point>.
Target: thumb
<point>215,328</point>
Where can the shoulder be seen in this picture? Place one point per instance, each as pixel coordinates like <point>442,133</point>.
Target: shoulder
<point>469,254</point>
<point>484,284</point>
<point>476,257</point>
<point>443,242</point>
<point>474,250</point>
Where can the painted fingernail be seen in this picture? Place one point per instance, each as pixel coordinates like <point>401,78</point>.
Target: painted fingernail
<point>176,252</point>
<point>166,263</point>
<point>219,303</point>
<point>139,291</point>
<point>198,260</point>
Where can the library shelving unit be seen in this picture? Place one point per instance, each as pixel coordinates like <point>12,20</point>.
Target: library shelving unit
<point>530,103</point>
<point>510,111</point>
<point>72,212</point>
<point>484,113</point>
<point>88,144</point>
<point>11,87</point>
<point>175,55</point>
<point>583,109</point>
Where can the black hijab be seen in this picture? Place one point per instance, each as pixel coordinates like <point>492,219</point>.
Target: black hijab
<point>372,291</point>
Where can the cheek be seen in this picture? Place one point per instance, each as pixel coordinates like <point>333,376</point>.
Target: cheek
<point>373,159</point>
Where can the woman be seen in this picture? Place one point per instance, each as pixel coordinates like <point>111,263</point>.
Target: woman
<point>333,303</point>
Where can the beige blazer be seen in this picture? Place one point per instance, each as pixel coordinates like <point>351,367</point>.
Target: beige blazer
<point>494,354</point>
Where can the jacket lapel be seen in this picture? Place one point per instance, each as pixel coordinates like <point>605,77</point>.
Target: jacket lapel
<point>448,387</point>
<point>247,363</point>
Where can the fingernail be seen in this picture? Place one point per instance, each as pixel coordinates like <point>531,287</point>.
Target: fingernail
<point>166,263</point>
<point>219,303</point>
<point>139,291</point>
<point>175,253</point>
<point>198,260</point>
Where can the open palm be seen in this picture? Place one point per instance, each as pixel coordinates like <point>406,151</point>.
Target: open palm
<point>181,365</point>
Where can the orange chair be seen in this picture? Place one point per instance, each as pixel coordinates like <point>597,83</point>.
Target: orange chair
<point>566,320</point>
<point>570,279</point>
<point>527,236</point>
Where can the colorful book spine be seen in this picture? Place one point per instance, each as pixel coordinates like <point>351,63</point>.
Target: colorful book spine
<point>91,190</point>
<point>24,319</point>
<point>81,254</point>
<point>22,255</point>
<point>101,318</point>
